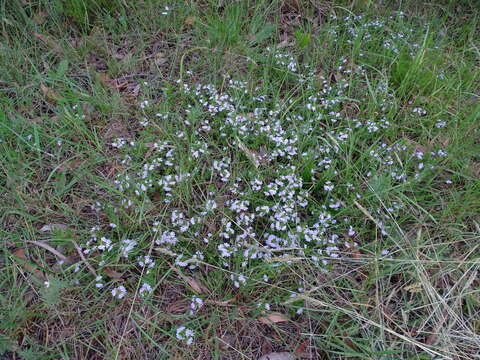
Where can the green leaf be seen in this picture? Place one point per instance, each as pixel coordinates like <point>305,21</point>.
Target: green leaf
<point>62,68</point>
<point>302,39</point>
<point>264,33</point>
<point>5,344</point>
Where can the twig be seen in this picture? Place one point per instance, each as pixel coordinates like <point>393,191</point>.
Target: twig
<point>367,214</point>
<point>79,250</point>
<point>182,59</point>
<point>51,249</point>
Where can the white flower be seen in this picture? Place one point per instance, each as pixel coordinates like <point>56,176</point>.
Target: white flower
<point>119,292</point>
<point>264,306</point>
<point>238,280</point>
<point>146,261</point>
<point>195,304</point>
<point>328,186</point>
<point>145,289</point>
<point>351,232</point>
<point>126,246</point>
<point>210,205</point>
<point>184,333</point>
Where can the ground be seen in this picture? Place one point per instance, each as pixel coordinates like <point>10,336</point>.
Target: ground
<point>227,179</point>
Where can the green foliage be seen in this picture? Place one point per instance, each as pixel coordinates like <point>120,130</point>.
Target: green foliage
<point>225,30</point>
<point>414,75</point>
<point>57,161</point>
<point>264,33</point>
<point>85,13</point>
<point>303,39</point>
<point>5,343</point>
<point>52,293</point>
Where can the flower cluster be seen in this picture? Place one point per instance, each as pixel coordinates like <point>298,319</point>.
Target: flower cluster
<point>185,334</point>
<point>248,178</point>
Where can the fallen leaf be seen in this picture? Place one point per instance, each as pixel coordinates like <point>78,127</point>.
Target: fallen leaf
<point>226,341</point>
<point>272,318</point>
<point>476,325</point>
<point>20,254</point>
<point>349,342</point>
<point>39,17</point>
<point>301,349</point>
<point>178,306</point>
<point>350,109</point>
<point>445,141</point>
<point>266,346</point>
<point>278,356</point>
<point>284,43</point>
<point>51,227</point>
<point>70,165</point>
<point>49,93</point>
<point>99,64</point>
<point>128,89</point>
<point>134,90</point>
<point>46,40</point>
<point>285,259</point>
<point>109,83</point>
<point>159,58</point>
<point>112,273</point>
<point>414,288</point>
<point>221,303</point>
<point>418,147</point>
<point>120,56</point>
<point>73,164</point>
<point>196,285</point>
<point>165,251</point>
<point>116,129</point>
<point>254,156</point>
<point>190,20</point>
<point>475,168</point>
<point>356,253</point>
<point>432,338</point>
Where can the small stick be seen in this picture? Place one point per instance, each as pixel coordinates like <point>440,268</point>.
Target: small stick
<point>366,213</point>
<point>90,267</point>
<point>51,249</point>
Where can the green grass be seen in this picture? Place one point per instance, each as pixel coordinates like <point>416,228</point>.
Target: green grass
<point>79,75</point>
